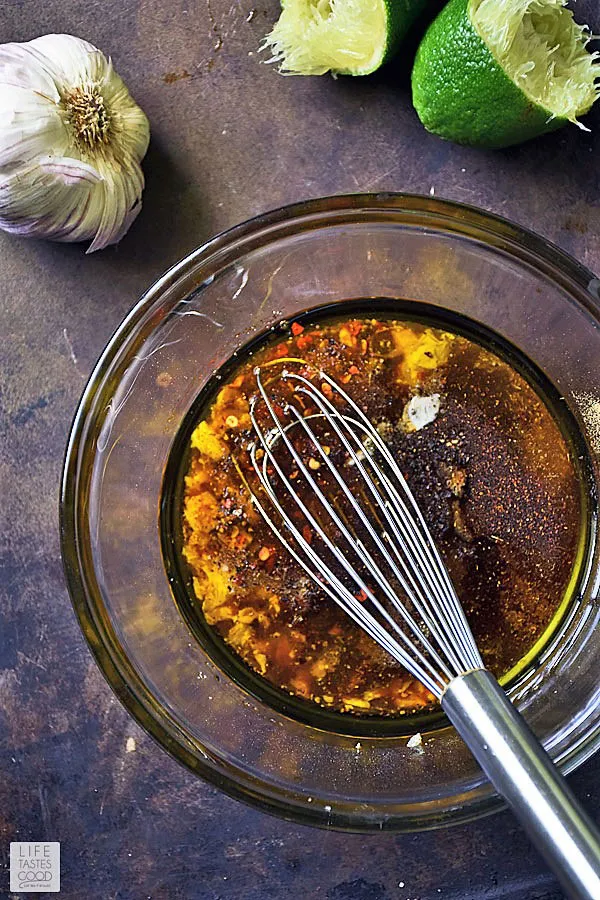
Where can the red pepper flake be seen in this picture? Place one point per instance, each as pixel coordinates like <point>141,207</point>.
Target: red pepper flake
<point>361,596</point>
<point>303,341</point>
<point>353,370</point>
<point>306,534</point>
<point>281,350</point>
<point>297,328</point>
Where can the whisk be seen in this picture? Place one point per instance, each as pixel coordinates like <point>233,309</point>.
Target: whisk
<point>333,494</point>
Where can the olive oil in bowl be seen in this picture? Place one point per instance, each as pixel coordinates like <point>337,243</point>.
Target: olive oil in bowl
<point>493,458</point>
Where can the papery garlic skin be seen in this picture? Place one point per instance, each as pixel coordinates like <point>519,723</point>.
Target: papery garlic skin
<point>71,142</point>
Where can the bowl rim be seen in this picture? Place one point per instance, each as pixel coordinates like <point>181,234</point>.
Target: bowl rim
<point>461,219</point>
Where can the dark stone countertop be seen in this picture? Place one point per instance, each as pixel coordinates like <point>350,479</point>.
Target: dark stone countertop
<point>230,139</point>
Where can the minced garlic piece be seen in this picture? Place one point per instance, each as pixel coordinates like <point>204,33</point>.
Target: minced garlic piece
<point>214,590</point>
<point>261,659</point>
<point>419,412</point>
<point>420,352</point>
<point>356,703</point>
<point>205,441</point>
<point>239,634</point>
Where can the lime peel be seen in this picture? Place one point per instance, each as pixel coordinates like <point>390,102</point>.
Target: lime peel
<point>543,50</point>
<point>345,37</point>
<point>494,73</point>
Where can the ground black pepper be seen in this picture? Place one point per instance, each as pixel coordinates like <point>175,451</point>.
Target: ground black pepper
<point>491,472</point>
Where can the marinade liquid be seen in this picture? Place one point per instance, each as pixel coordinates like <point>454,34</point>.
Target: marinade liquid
<point>489,455</point>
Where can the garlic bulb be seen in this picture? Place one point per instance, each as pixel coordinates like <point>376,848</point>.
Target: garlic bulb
<point>71,142</point>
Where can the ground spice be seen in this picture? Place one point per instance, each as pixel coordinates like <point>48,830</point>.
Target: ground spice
<point>491,472</point>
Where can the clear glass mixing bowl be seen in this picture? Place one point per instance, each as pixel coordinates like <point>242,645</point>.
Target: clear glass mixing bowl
<point>185,327</point>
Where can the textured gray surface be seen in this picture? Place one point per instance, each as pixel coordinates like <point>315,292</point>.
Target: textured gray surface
<point>230,139</point>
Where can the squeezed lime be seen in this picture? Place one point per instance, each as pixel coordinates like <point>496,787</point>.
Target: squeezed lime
<point>492,74</point>
<point>345,37</point>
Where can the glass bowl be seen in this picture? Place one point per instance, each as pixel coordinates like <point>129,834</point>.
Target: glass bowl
<point>186,326</point>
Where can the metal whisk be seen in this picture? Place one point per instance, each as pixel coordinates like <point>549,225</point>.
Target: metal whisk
<point>332,492</point>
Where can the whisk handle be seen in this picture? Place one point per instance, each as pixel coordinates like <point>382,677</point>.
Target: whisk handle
<point>523,773</point>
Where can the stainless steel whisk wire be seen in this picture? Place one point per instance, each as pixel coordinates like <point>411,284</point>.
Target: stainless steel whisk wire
<point>408,536</point>
<point>429,636</point>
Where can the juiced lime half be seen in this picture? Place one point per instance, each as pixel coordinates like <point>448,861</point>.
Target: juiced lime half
<point>492,73</point>
<point>346,37</point>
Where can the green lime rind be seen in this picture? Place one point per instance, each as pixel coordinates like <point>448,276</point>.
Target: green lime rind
<point>462,94</point>
<point>344,37</point>
<point>401,14</point>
